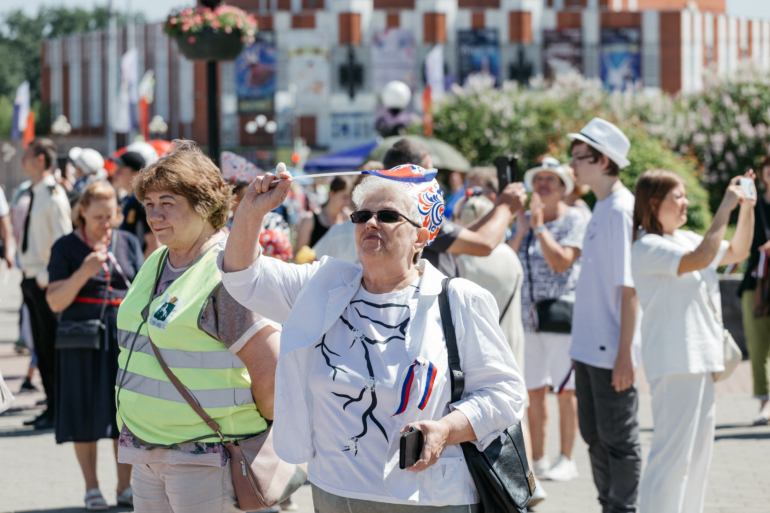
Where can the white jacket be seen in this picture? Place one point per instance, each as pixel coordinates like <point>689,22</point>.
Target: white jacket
<point>308,300</point>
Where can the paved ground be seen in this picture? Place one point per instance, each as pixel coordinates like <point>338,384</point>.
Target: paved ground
<point>36,475</point>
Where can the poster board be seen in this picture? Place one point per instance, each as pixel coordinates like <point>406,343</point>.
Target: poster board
<point>255,75</point>
<point>562,52</point>
<point>393,58</point>
<point>309,69</point>
<point>620,57</point>
<point>478,53</point>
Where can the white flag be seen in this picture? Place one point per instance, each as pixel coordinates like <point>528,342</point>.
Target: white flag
<point>128,95</point>
<point>434,71</point>
<point>22,104</point>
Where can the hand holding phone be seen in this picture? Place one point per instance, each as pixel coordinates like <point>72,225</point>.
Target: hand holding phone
<point>411,448</point>
<point>747,184</point>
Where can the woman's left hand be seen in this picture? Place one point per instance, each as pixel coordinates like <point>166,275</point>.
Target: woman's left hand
<point>435,435</point>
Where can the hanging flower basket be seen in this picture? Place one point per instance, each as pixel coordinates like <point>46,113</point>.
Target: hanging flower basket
<point>205,34</point>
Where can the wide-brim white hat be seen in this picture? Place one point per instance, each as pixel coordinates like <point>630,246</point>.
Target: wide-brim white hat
<point>551,165</point>
<point>606,138</point>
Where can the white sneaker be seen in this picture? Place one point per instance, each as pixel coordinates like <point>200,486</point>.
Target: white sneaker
<point>541,466</point>
<point>564,470</point>
<point>539,495</point>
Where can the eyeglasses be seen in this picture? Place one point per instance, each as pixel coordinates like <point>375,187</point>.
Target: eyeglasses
<point>383,216</point>
<point>583,157</point>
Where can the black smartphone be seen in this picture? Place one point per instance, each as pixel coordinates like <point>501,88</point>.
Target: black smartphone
<point>507,171</point>
<point>411,448</point>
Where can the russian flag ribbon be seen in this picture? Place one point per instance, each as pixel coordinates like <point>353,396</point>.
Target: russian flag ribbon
<point>429,373</point>
<point>762,267</point>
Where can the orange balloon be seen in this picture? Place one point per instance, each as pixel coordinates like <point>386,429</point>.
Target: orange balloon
<point>295,157</point>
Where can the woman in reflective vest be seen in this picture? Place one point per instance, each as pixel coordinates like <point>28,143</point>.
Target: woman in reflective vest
<point>223,353</point>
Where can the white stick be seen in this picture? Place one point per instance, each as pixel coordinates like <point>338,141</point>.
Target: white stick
<point>323,175</point>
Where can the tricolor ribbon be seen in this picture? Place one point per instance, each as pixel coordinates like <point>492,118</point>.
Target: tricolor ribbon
<point>429,373</point>
<point>762,267</point>
<point>730,269</point>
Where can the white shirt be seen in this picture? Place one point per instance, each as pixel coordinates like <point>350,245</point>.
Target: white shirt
<point>3,204</point>
<point>354,386</point>
<point>680,330</point>
<point>309,300</point>
<point>499,273</point>
<point>606,270</point>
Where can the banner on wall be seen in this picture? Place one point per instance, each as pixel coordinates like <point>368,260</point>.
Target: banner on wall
<point>562,52</point>
<point>478,53</point>
<point>309,69</point>
<point>621,57</point>
<point>255,75</point>
<point>351,129</point>
<point>393,58</point>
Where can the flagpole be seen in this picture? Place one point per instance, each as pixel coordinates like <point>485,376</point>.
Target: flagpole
<point>112,71</point>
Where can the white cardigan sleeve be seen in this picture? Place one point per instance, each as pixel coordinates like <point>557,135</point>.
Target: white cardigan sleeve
<point>494,397</point>
<point>269,287</point>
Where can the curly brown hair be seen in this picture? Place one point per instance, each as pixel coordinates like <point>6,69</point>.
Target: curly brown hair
<point>186,171</point>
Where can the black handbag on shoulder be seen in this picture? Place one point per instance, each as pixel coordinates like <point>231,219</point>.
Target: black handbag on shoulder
<point>501,472</point>
<point>85,334</point>
<point>551,315</point>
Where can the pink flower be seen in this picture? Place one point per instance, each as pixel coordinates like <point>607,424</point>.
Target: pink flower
<point>172,21</point>
<point>239,24</point>
<point>215,24</point>
<point>229,30</point>
<point>198,18</point>
<point>191,40</point>
<point>210,16</point>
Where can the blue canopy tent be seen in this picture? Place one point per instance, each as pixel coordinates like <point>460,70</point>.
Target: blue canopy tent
<point>347,160</point>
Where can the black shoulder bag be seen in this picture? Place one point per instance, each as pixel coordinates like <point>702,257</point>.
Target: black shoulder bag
<point>551,315</point>
<point>85,334</point>
<point>501,473</point>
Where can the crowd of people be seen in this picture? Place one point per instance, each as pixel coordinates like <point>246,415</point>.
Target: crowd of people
<point>171,268</point>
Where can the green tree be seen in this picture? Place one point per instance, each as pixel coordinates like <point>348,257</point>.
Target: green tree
<point>21,38</point>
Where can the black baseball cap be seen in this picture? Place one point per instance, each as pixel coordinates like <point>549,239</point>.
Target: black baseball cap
<point>130,159</point>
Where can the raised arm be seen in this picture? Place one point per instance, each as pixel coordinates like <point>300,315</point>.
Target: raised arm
<point>702,256</point>
<point>242,248</point>
<point>558,258</point>
<point>481,237</point>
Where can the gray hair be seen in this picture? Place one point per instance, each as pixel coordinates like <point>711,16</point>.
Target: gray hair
<point>374,184</point>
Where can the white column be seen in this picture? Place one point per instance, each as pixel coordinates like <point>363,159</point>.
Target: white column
<point>74,56</point>
<point>95,79</point>
<point>756,42</point>
<point>591,39</point>
<point>722,45</point>
<point>697,51</point>
<point>733,48</point>
<point>687,54</point>
<point>55,62</point>
<point>651,49</point>
<point>160,43</point>
<point>139,31</point>
<point>743,43</point>
<point>766,45</point>
<point>708,36</point>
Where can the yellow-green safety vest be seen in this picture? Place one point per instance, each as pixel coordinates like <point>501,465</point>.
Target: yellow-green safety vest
<point>148,403</point>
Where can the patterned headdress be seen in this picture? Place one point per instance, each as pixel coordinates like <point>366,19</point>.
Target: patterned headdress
<point>430,204</point>
<point>237,169</point>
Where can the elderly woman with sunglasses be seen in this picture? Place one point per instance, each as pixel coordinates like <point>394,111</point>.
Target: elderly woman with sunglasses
<point>363,356</point>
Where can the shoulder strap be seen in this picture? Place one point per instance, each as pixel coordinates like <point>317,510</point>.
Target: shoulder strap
<point>510,300</point>
<point>109,277</point>
<point>761,207</point>
<point>455,371</point>
<point>530,236</point>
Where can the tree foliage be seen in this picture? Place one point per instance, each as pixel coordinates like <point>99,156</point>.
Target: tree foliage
<point>21,37</point>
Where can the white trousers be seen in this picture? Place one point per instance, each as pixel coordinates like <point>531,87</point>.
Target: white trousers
<point>682,442</point>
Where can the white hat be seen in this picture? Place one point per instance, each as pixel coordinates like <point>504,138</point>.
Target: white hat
<point>144,149</point>
<point>89,161</point>
<point>551,165</point>
<point>74,153</point>
<point>606,138</point>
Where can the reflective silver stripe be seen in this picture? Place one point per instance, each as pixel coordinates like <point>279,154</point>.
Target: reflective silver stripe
<point>180,359</point>
<point>219,398</point>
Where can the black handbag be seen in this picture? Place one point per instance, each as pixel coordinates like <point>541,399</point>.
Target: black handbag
<point>85,334</point>
<point>501,472</point>
<point>550,315</point>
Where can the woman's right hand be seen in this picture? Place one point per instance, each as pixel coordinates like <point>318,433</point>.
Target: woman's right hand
<point>93,263</point>
<point>735,195</point>
<point>261,198</point>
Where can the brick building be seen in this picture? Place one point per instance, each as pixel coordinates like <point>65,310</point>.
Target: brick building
<point>677,40</point>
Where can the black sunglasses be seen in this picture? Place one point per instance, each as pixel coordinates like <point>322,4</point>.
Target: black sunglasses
<point>384,216</point>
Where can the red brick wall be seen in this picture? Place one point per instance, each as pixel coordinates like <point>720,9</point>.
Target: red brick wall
<point>303,21</point>
<point>394,4</point>
<point>520,23</point>
<point>265,22</point>
<point>478,4</point>
<point>350,28</point>
<point>393,20</point>
<point>565,19</point>
<point>434,27</point>
<point>621,19</point>
<point>477,20</point>
<point>307,128</point>
<point>671,51</point>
